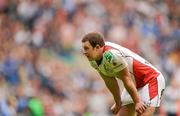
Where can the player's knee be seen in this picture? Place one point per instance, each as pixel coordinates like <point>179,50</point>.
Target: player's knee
<point>127,110</point>
<point>149,111</point>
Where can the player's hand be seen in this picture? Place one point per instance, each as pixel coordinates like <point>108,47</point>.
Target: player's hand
<point>140,107</point>
<point>115,108</point>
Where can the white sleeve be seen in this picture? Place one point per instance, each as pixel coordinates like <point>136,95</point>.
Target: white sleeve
<point>117,62</point>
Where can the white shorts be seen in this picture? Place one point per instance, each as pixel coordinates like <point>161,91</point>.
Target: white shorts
<point>147,92</point>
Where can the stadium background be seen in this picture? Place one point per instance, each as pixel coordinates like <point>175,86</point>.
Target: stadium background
<point>43,72</point>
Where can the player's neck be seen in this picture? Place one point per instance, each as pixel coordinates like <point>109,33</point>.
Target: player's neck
<point>99,61</point>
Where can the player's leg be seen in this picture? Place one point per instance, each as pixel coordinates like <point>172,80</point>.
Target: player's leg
<point>155,102</point>
<point>127,110</point>
<point>149,111</point>
<point>144,93</point>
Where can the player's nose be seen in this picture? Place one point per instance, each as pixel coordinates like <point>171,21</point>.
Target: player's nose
<point>85,53</point>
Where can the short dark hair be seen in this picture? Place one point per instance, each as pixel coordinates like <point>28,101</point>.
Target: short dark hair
<point>94,39</point>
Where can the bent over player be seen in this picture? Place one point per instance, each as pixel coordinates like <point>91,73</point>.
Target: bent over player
<point>143,83</point>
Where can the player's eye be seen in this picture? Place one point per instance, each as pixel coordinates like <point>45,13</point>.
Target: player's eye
<point>86,48</point>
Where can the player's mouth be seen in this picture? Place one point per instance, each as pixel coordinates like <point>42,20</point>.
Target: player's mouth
<point>87,56</point>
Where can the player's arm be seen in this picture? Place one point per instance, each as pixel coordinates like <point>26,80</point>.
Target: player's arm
<point>124,75</point>
<point>120,66</point>
<point>112,84</point>
<point>128,84</point>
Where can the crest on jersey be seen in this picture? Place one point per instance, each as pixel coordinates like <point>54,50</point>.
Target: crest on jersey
<point>109,56</point>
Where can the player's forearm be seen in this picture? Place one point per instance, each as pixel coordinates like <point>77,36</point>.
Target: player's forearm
<point>113,87</point>
<point>130,87</point>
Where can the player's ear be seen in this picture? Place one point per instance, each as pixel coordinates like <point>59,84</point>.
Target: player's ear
<point>97,46</point>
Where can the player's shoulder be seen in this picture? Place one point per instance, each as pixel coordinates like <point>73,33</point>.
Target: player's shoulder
<point>111,52</point>
<point>114,45</point>
<point>110,55</point>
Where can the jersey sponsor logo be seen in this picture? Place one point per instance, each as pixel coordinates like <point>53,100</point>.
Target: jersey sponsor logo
<point>109,56</point>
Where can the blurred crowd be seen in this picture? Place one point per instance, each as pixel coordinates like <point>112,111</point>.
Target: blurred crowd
<point>42,71</point>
